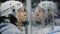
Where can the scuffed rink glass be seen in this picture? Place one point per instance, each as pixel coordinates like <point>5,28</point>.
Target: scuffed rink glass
<point>45,18</point>
<point>42,17</point>
<point>55,26</point>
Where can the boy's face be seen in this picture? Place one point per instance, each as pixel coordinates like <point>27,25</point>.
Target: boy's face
<point>40,15</point>
<point>22,15</point>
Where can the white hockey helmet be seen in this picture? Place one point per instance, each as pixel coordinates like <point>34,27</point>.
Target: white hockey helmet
<point>8,7</point>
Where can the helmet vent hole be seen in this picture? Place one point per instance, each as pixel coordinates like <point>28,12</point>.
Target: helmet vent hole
<point>13,10</point>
